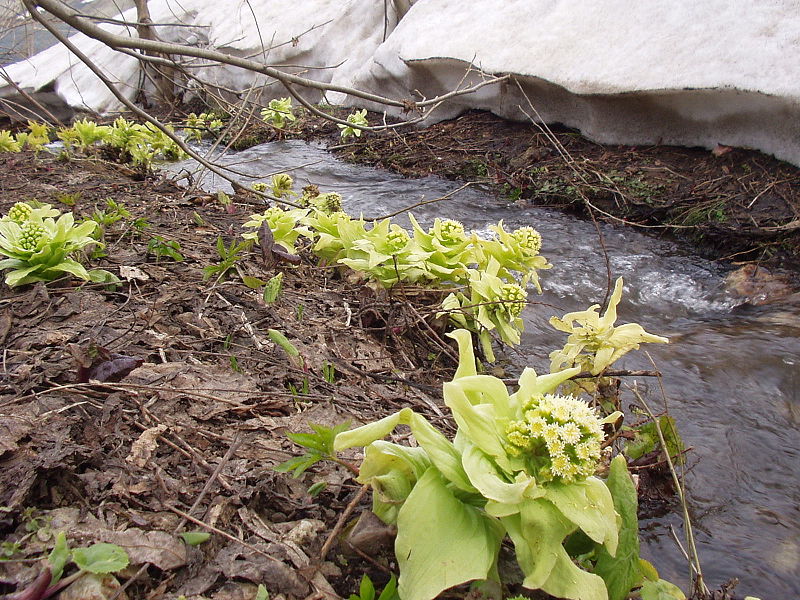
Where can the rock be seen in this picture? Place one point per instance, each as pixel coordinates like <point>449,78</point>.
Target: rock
<point>369,535</point>
<point>758,286</point>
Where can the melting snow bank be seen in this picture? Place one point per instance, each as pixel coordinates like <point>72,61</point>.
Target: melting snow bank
<point>684,73</point>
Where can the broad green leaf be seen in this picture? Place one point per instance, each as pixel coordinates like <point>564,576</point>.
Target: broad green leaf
<point>72,267</point>
<point>587,504</point>
<point>661,590</point>
<point>195,538</point>
<point>487,478</point>
<point>366,590</point>
<point>253,282</point>
<point>567,580</point>
<point>442,542</point>
<point>392,471</point>
<point>466,353</point>
<point>648,570</point>
<point>100,558</point>
<point>390,590</point>
<point>19,276</point>
<point>623,571</point>
<point>537,530</point>
<point>58,557</point>
<point>478,423</point>
<point>439,448</point>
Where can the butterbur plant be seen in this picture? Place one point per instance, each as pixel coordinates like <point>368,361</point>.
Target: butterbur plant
<point>281,185</point>
<point>284,225</point>
<point>7,142</point>
<point>521,465</point>
<point>39,247</point>
<point>358,118</point>
<point>514,251</point>
<point>279,113</point>
<point>490,304</point>
<point>594,342</point>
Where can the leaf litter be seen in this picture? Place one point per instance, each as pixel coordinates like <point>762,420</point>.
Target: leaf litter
<point>135,414</point>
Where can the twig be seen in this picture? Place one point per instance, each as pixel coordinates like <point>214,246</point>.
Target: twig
<point>234,445</point>
<point>423,203</point>
<point>694,562</point>
<point>62,12</point>
<point>323,553</point>
<point>142,114</point>
<point>224,534</point>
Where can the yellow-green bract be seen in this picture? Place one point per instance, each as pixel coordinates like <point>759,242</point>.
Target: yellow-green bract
<point>454,502</point>
<point>39,248</point>
<point>358,118</point>
<point>594,343</point>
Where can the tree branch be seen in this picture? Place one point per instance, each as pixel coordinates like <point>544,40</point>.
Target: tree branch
<point>61,12</point>
<point>29,4</point>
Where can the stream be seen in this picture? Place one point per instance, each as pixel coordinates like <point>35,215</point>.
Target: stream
<point>730,372</point>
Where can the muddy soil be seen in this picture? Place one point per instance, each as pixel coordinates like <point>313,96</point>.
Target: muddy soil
<point>185,432</point>
<point>186,441</point>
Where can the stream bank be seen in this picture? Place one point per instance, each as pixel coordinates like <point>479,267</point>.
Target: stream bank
<point>191,335</point>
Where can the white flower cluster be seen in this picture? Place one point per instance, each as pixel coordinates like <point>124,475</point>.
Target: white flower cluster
<point>560,437</point>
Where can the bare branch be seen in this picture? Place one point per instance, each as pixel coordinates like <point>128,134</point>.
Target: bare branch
<point>131,106</point>
<point>60,11</point>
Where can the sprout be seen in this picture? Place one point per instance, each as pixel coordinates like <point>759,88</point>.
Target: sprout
<point>282,185</point>
<point>7,142</point>
<point>279,112</point>
<point>358,118</point>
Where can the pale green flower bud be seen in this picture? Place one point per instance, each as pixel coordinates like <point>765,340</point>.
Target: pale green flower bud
<point>328,203</point>
<point>272,215</point>
<point>397,239</point>
<point>20,212</point>
<point>282,185</point>
<point>449,231</point>
<point>513,298</point>
<point>528,239</point>
<point>30,235</point>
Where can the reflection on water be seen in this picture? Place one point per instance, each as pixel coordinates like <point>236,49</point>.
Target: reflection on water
<point>731,376</point>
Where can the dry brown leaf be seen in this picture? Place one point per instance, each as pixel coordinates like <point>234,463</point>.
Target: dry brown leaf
<point>142,449</point>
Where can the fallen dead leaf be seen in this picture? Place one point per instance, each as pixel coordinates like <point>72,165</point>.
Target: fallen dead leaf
<point>142,449</point>
<point>94,587</point>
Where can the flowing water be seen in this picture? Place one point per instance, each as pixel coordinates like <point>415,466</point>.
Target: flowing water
<point>731,374</point>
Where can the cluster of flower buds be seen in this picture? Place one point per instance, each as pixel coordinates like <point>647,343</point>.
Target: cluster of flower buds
<point>528,239</point>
